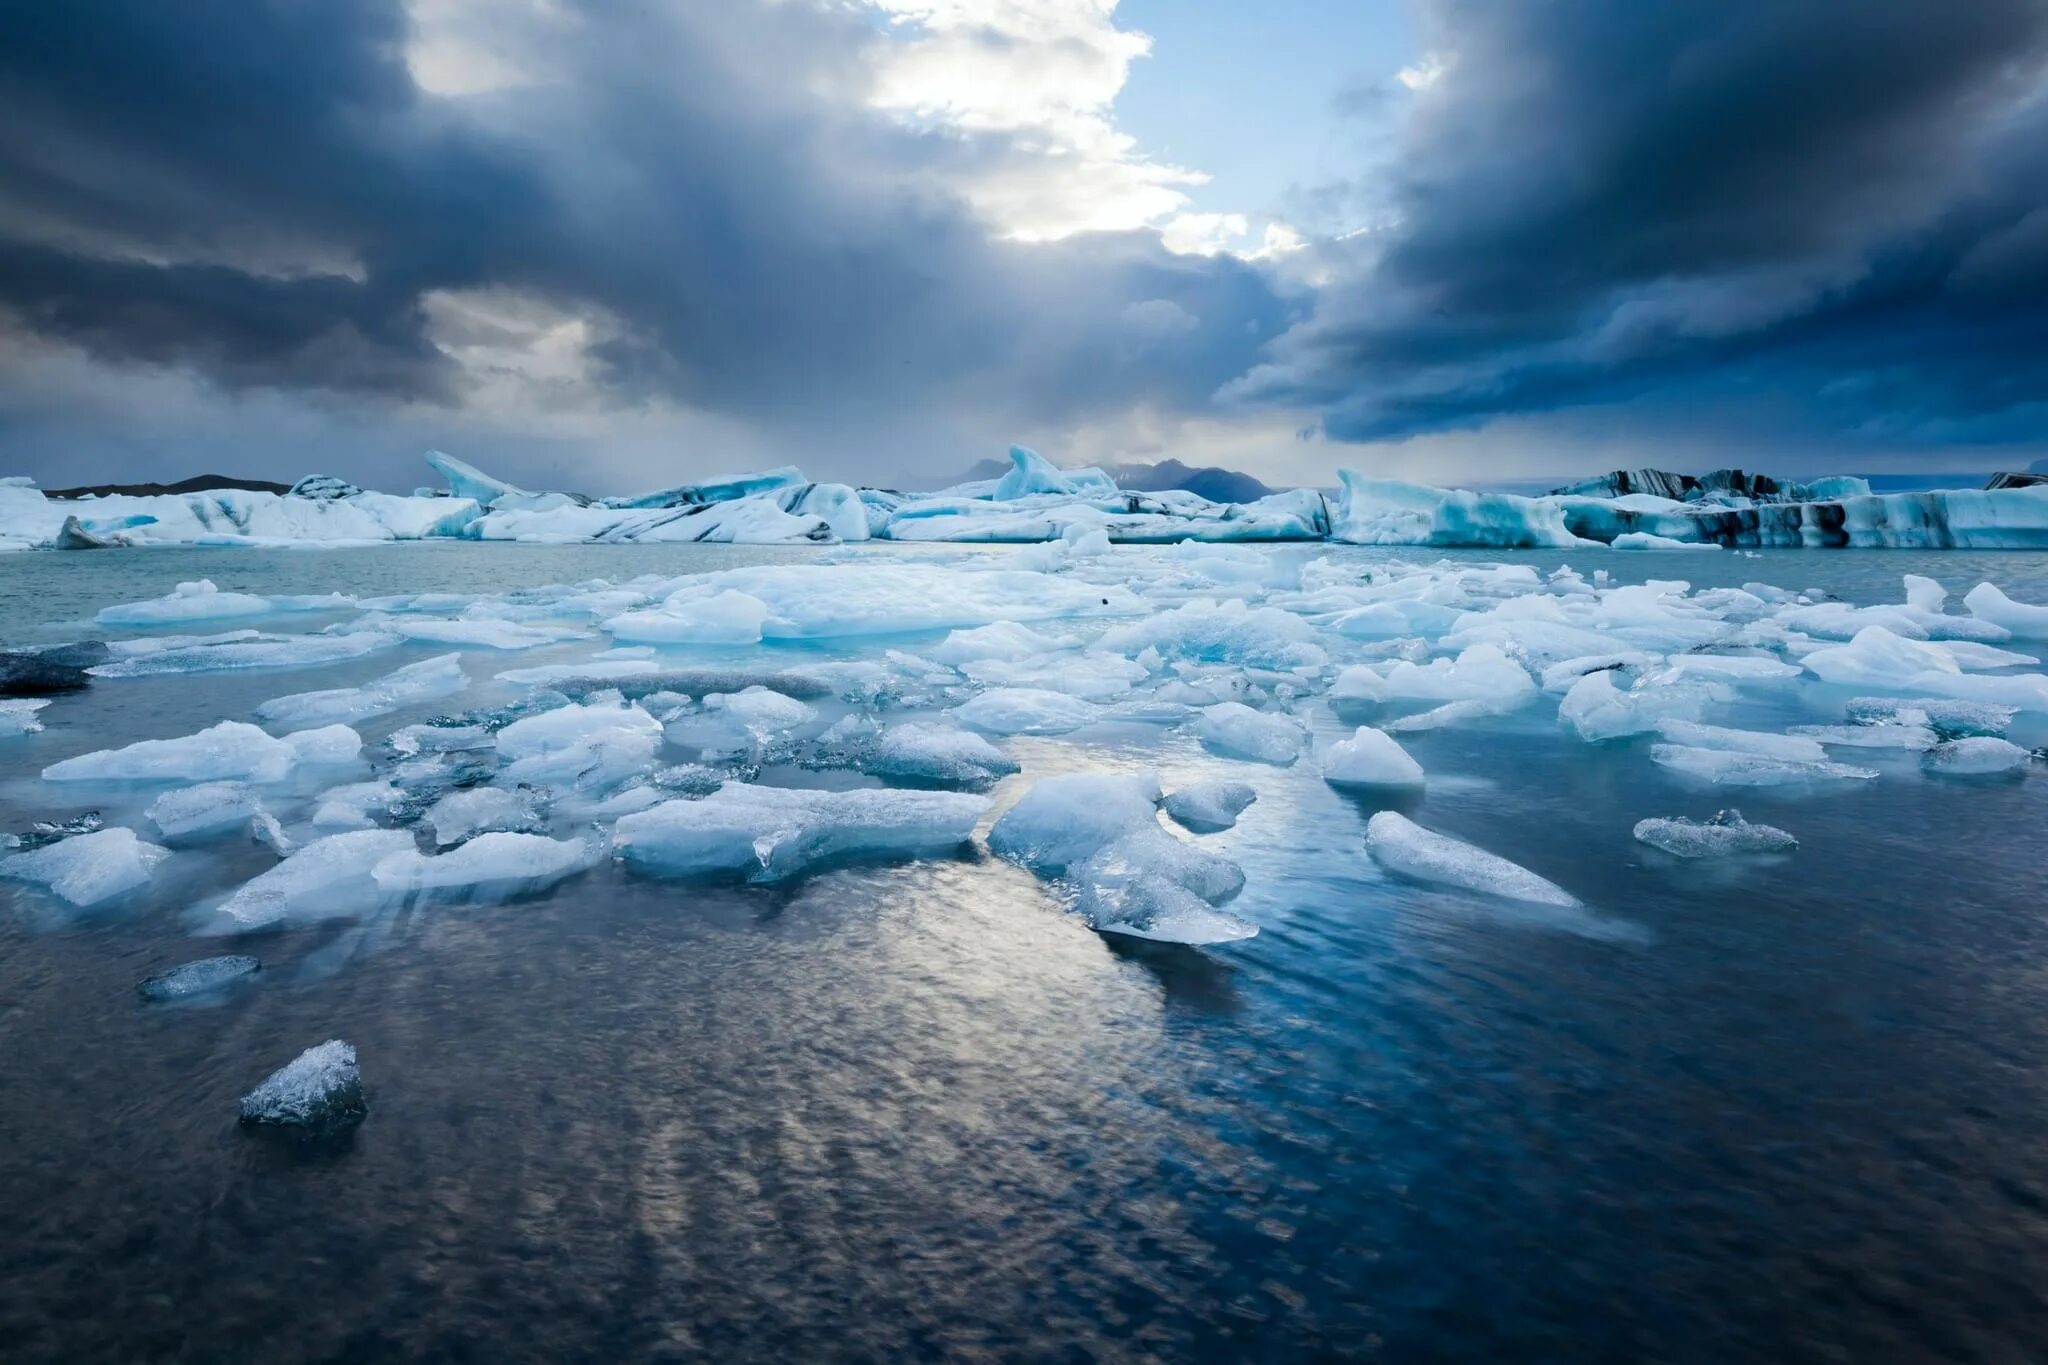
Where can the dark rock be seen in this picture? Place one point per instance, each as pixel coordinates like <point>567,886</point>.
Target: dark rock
<point>2011,480</point>
<point>36,675</point>
<point>198,483</point>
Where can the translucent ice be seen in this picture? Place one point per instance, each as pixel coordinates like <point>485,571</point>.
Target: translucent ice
<point>202,601</point>
<point>424,681</point>
<point>1599,710</point>
<point>1978,754</point>
<point>197,978</point>
<point>483,633</point>
<point>326,877</point>
<point>1206,807</point>
<point>1878,658</point>
<point>1225,632</point>
<point>87,868</point>
<point>19,717</point>
<point>478,810</point>
<point>1237,731</point>
<point>1727,833</point>
<point>938,753</point>
<point>1148,884</point>
<point>1951,719</point>
<point>1400,845</point>
<point>1025,711</point>
<point>231,749</point>
<point>491,865</point>
<point>593,745</point>
<point>772,833</point>
<point>320,1091</point>
<point>727,617</point>
<point>207,808</point>
<point>1732,768</point>
<point>1797,748</point>
<point>1370,759</point>
<point>1065,820</point>
<point>246,650</point>
<point>1987,602</point>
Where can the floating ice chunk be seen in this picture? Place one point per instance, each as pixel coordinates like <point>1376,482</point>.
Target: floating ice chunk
<point>1370,759</point>
<point>1794,747</point>
<point>320,1092</point>
<point>245,650</point>
<point>1924,594</point>
<point>1450,713</point>
<point>1732,768</point>
<point>772,833</point>
<point>196,601</point>
<point>1225,632</point>
<point>1559,677</point>
<point>352,806</point>
<point>1025,711</point>
<point>595,673</point>
<point>761,711</point>
<point>50,831</point>
<point>1952,719</point>
<point>87,868</point>
<point>205,809</point>
<point>328,876</point>
<point>495,864</point>
<point>482,810</point>
<point>19,717</point>
<point>485,633</point>
<point>1737,668</point>
<point>1000,640</point>
<point>726,618</point>
<point>1644,540</point>
<point>1206,807</point>
<point>1237,731</point>
<point>1599,710</point>
<point>414,740</point>
<point>197,978</point>
<point>1064,820</point>
<point>328,744</point>
<point>1879,658</point>
<point>938,753</point>
<point>1727,833</point>
<point>467,481</point>
<point>1093,676</point>
<point>231,749</point>
<point>1151,885</point>
<point>423,681</point>
<point>1400,845</point>
<point>594,745</point>
<point>1481,671</point>
<point>1909,737</point>
<point>265,830</point>
<point>1988,603</point>
<point>1976,755</point>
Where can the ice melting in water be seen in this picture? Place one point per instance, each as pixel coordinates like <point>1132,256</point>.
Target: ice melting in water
<point>197,978</point>
<point>1025,711</point>
<point>773,833</point>
<point>1976,755</point>
<point>330,876</point>
<point>1370,759</point>
<point>1400,845</point>
<point>489,866</point>
<point>87,868</point>
<point>1148,884</point>
<point>460,815</point>
<point>205,809</point>
<point>232,749</point>
<point>1206,807</point>
<point>1727,833</point>
<point>937,753</point>
<point>319,1092</point>
<point>1735,768</point>
<point>1237,731</point>
<point>19,717</point>
<point>1064,820</point>
<point>423,681</point>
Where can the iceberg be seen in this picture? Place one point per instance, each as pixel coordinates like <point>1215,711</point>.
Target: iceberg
<point>1370,759</point>
<point>1726,834</point>
<point>770,834</point>
<point>197,978</point>
<point>1400,845</point>
<point>1237,731</point>
<point>1207,807</point>
<point>424,681</point>
<point>87,868</point>
<point>1978,754</point>
<point>1987,603</point>
<point>1877,657</point>
<point>319,1093</point>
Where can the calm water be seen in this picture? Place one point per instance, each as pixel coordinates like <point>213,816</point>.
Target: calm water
<point>1792,1110</point>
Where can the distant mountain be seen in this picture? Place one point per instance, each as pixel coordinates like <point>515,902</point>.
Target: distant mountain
<point>1211,482</point>
<point>198,483</point>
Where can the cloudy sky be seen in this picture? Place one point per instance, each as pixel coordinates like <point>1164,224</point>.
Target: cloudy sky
<point>612,245</point>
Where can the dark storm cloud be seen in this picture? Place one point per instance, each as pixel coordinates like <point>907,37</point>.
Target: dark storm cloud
<point>257,191</point>
<point>1601,199</point>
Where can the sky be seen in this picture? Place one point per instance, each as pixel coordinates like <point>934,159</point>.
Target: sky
<point>612,246</point>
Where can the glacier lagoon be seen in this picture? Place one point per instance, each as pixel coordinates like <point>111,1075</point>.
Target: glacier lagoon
<point>826,1106</point>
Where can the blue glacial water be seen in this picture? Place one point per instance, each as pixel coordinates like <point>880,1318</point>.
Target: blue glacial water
<point>1783,1110</point>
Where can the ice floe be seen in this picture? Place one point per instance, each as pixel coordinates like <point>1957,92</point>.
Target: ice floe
<point>1370,758</point>
<point>1206,807</point>
<point>1400,845</point>
<point>197,978</point>
<point>772,833</point>
<point>1727,833</point>
<point>87,868</point>
<point>424,681</point>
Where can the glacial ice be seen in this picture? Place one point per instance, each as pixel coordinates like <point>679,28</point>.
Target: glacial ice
<point>1796,748</point>
<point>592,745</point>
<point>459,815</point>
<point>1025,711</point>
<point>1975,755</point>
<point>230,750</point>
<point>204,809</point>
<point>242,650</point>
<point>1207,807</point>
<point>1148,884</point>
<point>1237,731</point>
<point>1988,603</point>
<point>1227,632</point>
<point>725,618</point>
<point>201,600</point>
<point>493,865</point>
<point>474,633</point>
<point>87,868</point>
<point>19,717</point>
<point>329,876</point>
<point>1951,719</point>
<point>1876,657</point>
<point>1064,820</point>
<point>1735,768</point>
<point>937,753</point>
<point>424,681</point>
<point>1400,845</point>
<point>1370,759</point>
<point>197,978</point>
<point>1479,672</point>
<point>1599,710</point>
<point>1727,833</point>
<point>318,1092</point>
<point>773,833</point>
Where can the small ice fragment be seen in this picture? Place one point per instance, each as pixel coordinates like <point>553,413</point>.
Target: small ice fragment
<point>1370,759</point>
<point>1976,755</point>
<point>195,978</point>
<point>460,815</point>
<point>1732,768</point>
<point>938,753</point>
<point>423,681</point>
<point>204,809</point>
<point>319,1091</point>
<point>265,830</point>
<point>1237,731</point>
<point>1400,845</point>
<point>1025,711</point>
<point>1727,833</point>
<point>87,868</point>
<point>19,717</point>
<point>1950,718</point>
<point>1206,807</point>
<point>50,831</point>
<point>1913,737</point>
